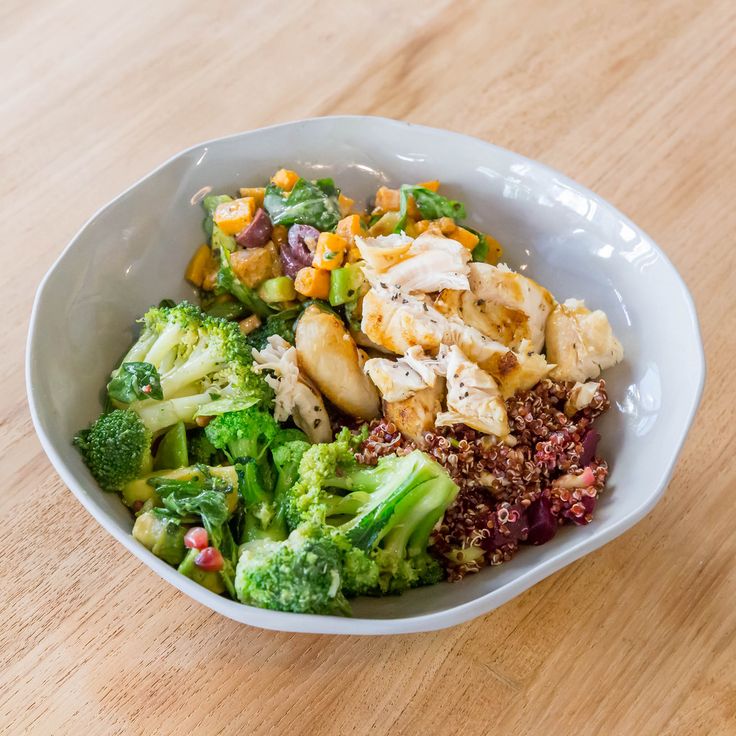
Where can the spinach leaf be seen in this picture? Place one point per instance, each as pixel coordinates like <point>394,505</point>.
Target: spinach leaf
<point>135,382</point>
<point>308,203</point>
<point>203,496</point>
<point>430,205</point>
<point>433,205</point>
<point>209,203</point>
<point>480,252</point>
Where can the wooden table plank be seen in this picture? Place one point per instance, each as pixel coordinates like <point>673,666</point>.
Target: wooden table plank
<point>635,99</point>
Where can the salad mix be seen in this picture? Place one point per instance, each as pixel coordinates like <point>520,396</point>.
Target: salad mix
<point>363,401</point>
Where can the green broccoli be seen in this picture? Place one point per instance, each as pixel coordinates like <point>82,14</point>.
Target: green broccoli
<point>116,448</point>
<point>249,438</point>
<point>201,450</point>
<point>202,363</point>
<point>301,574</point>
<point>387,511</point>
<point>243,434</point>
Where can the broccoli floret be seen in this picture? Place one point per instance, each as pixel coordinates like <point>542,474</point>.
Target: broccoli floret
<point>201,451</point>
<point>243,434</point>
<point>302,574</point>
<point>387,511</point>
<point>203,364</point>
<point>116,448</point>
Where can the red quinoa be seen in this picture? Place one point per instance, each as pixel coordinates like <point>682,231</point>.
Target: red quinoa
<point>505,490</point>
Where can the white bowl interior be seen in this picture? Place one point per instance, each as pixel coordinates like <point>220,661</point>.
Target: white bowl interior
<point>134,252</point>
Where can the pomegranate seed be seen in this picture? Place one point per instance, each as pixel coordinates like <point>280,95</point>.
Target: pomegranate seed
<point>196,538</point>
<point>209,559</point>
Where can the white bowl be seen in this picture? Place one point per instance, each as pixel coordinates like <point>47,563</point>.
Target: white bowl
<point>133,252</point>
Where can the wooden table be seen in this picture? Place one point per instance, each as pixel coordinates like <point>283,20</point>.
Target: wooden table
<point>636,100</point>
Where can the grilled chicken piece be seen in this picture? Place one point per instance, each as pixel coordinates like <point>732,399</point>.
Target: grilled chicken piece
<point>432,263</point>
<point>296,396</point>
<point>502,304</point>
<point>514,371</point>
<point>416,416</point>
<point>581,396</point>
<point>396,321</point>
<point>400,379</point>
<point>473,397</point>
<point>383,251</point>
<point>328,355</point>
<point>581,343</point>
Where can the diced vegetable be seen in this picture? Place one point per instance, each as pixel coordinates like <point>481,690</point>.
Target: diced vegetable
<point>209,204</point>
<point>257,233</point>
<point>330,251</point>
<point>285,179</point>
<point>280,235</point>
<point>345,204</point>
<point>164,538</point>
<point>313,282</point>
<point>279,289</point>
<point>172,451</point>
<point>346,284</point>
<point>209,579</point>
<point>464,237</point>
<point>252,266</point>
<point>349,227</point>
<point>196,269</point>
<point>385,225</point>
<point>433,185</point>
<point>232,217</point>
<point>258,193</point>
<point>387,199</point>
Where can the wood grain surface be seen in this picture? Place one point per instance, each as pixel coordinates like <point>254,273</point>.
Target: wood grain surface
<point>636,100</point>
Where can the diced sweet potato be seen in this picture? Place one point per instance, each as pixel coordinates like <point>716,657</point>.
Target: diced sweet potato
<point>257,193</point>
<point>313,282</point>
<point>464,237</point>
<point>285,179</point>
<point>433,185</point>
<point>232,217</point>
<point>349,227</point>
<point>387,199</point>
<point>196,268</point>
<point>345,204</point>
<point>330,251</point>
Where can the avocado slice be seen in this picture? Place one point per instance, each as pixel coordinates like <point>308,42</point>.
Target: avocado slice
<point>209,579</point>
<point>163,537</point>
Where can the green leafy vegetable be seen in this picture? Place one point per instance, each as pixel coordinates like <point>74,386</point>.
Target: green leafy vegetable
<point>308,204</point>
<point>135,381</point>
<point>430,204</point>
<point>480,252</point>
<point>203,496</point>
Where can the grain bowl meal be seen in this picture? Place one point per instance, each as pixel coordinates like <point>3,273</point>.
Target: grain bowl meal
<point>363,401</point>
